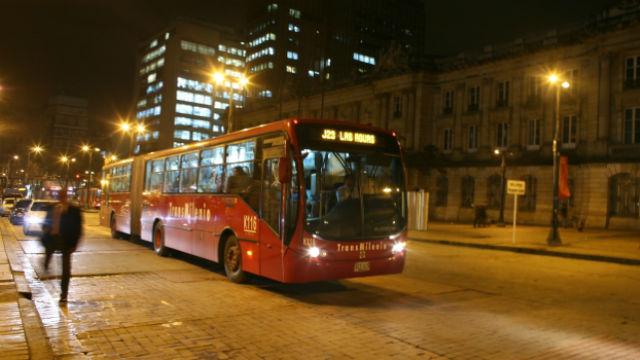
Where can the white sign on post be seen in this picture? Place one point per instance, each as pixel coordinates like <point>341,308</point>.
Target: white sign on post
<point>515,188</point>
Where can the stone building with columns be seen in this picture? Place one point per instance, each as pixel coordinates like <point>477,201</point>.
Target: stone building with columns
<point>451,119</point>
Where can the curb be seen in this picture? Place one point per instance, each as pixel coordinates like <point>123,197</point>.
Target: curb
<point>534,251</point>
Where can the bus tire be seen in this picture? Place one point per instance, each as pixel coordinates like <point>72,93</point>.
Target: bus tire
<point>233,260</point>
<point>115,234</point>
<point>158,240</point>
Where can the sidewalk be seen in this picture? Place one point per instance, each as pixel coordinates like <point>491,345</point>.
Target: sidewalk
<point>615,246</point>
<point>13,340</point>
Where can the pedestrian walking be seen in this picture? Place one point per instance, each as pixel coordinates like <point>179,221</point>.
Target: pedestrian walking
<point>62,232</point>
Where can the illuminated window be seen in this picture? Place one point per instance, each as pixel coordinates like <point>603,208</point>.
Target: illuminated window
<point>272,7</point>
<point>265,94</point>
<point>155,134</point>
<point>201,124</point>
<point>261,67</point>
<point>157,99</point>
<point>262,39</point>
<point>193,97</point>
<point>291,69</point>
<point>292,55</point>
<point>197,48</point>
<point>199,136</point>
<point>295,13</point>
<point>364,58</point>
<point>153,66</point>
<point>154,87</point>
<point>154,54</point>
<point>193,110</point>
<point>313,73</point>
<point>264,52</point>
<point>142,103</point>
<point>183,121</point>
<point>294,28</point>
<point>195,85</point>
<point>177,144</point>
<point>182,134</point>
<point>151,78</point>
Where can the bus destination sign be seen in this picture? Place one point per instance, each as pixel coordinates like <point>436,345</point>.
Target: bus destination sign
<point>348,136</point>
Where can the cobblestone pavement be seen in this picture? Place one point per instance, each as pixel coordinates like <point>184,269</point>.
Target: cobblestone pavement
<point>450,303</point>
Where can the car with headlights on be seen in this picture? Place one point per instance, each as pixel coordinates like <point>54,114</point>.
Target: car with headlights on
<point>7,206</point>
<point>17,214</point>
<point>36,215</point>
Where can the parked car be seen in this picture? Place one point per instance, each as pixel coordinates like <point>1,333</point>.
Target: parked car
<point>7,206</point>
<point>36,215</point>
<point>20,208</point>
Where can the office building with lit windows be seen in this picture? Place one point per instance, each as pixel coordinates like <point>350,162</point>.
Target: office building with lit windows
<point>176,97</point>
<point>299,47</point>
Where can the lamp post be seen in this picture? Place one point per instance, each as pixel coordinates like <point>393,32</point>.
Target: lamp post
<point>89,150</point>
<point>219,78</point>
<point>554,236</point>
<point>503,183</point>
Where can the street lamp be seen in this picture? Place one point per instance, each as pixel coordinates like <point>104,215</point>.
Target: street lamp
<point>554,236</point>
<point>503,182</point>
<point>14,157</point>
<point>36,150</point>
<point>130,129</point>
<point>242,81</point>
<point>89,150</point>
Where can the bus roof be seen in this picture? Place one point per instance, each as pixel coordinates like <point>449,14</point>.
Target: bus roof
<point>282,125</point>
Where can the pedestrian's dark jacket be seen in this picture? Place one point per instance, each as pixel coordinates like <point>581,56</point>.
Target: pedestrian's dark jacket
<point>70,229</point>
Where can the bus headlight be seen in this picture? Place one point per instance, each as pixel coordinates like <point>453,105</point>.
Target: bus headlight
<point>313,252</point>
<point>34,220</point>
<point>398,247</point>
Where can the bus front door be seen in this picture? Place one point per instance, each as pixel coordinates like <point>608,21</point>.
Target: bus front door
<point>271,247</point>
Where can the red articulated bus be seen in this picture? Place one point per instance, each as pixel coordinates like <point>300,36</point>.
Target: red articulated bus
<point>294,201</point>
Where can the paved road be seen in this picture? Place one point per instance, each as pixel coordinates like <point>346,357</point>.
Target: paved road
<point>451,302</point>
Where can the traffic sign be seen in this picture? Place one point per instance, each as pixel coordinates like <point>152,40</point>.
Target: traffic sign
<point>515,187</point>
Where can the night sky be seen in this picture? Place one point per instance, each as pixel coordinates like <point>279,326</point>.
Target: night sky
<point>88,48</point>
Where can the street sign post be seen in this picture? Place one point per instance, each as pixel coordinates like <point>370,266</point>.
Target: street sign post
<point>515,188</point>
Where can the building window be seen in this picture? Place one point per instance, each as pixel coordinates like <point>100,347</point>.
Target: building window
<point>472,138</point>
<point>494,184</point>
<point>467,192</point>
<point>272,7</point>
<point>364,58</point>
<point>294,28</point>
<point>292,55</point>
<point>632,72</point>
<point>473,98</point>
<point>294,13</point>
<point>631,126</point>
<point>265,94</point>
<point>447,102</point>
<point>442,190</point>
<point>533,138</point>
<point>527,202</point>
<point>291,69</point>
<point>571,76</point>
<point>502,98</point>
<point>624,199</point>
<point>569,130</point>
<point>397,107</point>
<point>502,135</point>
<point>448,140</point>
<point>534,87</point>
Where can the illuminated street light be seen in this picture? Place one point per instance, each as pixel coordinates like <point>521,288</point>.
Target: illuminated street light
<point>125,127</point>
<point>219,78</point>
<point>554,236</point>
<point>140,128</point>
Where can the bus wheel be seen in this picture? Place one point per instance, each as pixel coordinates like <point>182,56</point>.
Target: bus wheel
<point>233,260</point>
<point>158,240</point>
<point>115,234</point>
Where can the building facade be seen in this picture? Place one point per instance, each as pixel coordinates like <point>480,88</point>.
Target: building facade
<point>300,46</point>
<point>453,119</point>
<point>176,97</point>
<point>68,124</point>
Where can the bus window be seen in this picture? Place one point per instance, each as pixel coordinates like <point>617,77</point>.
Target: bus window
<point>210,177</point>
<point>239,167</point>
<point>157,175</point>
<point>188,172</point>
<point>172,175</point>
<point>293,197</point>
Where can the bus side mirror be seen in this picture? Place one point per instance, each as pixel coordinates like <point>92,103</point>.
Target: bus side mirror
<point>284,170</point>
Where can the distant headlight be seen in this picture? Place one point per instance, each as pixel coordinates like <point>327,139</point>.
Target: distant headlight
<point>34,220</point>
<point>398,247</point>
<point>313,252</point>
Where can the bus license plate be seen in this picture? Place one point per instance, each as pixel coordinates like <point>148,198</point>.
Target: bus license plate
<point>361,266</point>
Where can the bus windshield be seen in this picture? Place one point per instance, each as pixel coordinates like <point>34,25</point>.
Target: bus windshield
<point>353,195</point>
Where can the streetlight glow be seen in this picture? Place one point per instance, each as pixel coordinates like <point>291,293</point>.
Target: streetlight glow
<point>85,148</point>
<point>140,128</point>
<point>37,149</point>
<point>16,157</point>
<point>218,77</point>
<point>243,81</point>
<point>552,78</point>
<point>64,159</point>
<point>565,85</point>
<point>124,127</point>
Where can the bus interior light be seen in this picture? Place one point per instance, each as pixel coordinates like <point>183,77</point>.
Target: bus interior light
<point>313,252</point>
<point>398,247</point>
<point>249,253</point>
